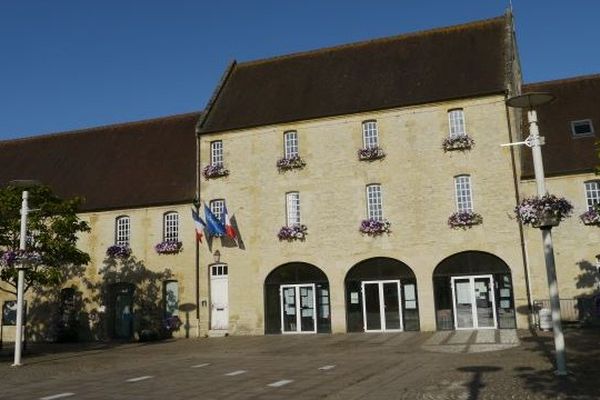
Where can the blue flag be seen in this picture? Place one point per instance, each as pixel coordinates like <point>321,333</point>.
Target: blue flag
<point>213,225</point>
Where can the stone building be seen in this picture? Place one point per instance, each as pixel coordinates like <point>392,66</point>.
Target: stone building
<point>365,182</point>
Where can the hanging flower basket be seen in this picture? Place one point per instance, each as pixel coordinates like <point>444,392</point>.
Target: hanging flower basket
<point>464,219</point>
<point>295,162</point>
<point>118,251</point>
<point>461,142</point>
<point>169,247</point>
<point>374,227</point>
<point>291,233</point>
<point>13,258</point>
<point>543,212</point>
<point>214,171</point>
<point>591,217</point>
<point>371,154</point>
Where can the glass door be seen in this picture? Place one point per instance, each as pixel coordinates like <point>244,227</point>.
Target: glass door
<point>474,303</point>
<point>381,306</point>
<point>298,311</point>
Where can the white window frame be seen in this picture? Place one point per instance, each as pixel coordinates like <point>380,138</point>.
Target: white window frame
<point>581,121</point>
<point>592,193</point>
<point>290,144</point>
<point>292,209</point>
<point>216,152</point>
<point>217,206</point>
<point>122,230</point>
<point>374,195</point>
<point>456,122</point>
<point>463,193</point>
<point>370,134</point>
<point>171,226</point>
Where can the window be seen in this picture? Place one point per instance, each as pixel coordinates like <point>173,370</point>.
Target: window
<point>218,270</point>
<point>290,144</point>
<point>216,152</point>
<point>370,136</point>
<point>171,226</point>
<point>217,207</point>
<point>592,193</point>
<point>122,231</point>
<point>583,127</point>
<point>374,202</point>
<point>292,200</point>
<point>171,298</point>
<point>464,200</point>
<point>456,120</point>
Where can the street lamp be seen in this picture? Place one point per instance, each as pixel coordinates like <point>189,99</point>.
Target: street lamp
<point>22,266</point>
<point>529,101</point>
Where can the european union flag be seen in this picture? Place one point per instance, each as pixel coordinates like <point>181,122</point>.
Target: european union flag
<point>213,225</point>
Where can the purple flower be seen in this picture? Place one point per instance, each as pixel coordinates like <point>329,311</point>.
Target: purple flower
<point>532,210</point>
<point>118,251</point>
<point>294,232</point>
<point>460,142</point>
<point>464,219</point>
<point>374,227</point>
<point>370,154</point>
<point>168,247</point>
<point>293,162</point>
<point>16,257</point>
<point>172,323</point>
<point>214,171</point>
<point>591,217</point>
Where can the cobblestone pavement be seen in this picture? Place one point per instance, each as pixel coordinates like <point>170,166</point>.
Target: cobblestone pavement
<point>344,366</point>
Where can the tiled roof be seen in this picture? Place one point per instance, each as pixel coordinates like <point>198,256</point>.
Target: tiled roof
<point>134,164</point>
<point>441,64</point>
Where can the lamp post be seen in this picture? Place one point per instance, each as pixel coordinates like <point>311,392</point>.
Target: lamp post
<point>528,101</point>
<point>21,268</point>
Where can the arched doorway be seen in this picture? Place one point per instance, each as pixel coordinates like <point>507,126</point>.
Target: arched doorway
<point>297,300</point>
<point>381,295</point>
<point>473,290</point>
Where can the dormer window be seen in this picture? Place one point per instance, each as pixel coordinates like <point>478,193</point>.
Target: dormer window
<point>582,128</point>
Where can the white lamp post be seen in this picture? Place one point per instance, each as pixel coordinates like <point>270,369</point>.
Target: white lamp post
<point>528,101</point>
<point>21,269</point>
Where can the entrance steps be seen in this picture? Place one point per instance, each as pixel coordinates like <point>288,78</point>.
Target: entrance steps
<point>217,333</point>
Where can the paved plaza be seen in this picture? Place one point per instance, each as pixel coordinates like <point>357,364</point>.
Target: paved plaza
<point>407,365</point>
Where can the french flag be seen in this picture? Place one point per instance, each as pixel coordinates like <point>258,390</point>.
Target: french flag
<point>200,225</point>
<point>229,231</point>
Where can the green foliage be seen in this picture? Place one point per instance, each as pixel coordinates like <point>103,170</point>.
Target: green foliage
<point>52,226</point>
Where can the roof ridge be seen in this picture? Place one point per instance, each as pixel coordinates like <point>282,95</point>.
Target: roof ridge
<point>423,32</point>
<point>97,128</point>
<point>565,80</point>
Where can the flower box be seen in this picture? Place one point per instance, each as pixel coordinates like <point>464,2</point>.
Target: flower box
<point>371,154</point>
<point>287,163</point>
<point>17,258</point>
<point>169,247</point>
<point>591,217</point>
<point>464,219</point>
<point>460,142</point>
<point>214,171</point>
<point>291,233</point>
<point>118,251</point>
<point>543,212</point>
<point>374,227</point>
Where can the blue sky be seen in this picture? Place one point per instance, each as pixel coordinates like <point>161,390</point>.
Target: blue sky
<point>73,64</point>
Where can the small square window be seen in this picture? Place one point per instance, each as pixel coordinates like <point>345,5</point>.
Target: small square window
<point>582,127</point>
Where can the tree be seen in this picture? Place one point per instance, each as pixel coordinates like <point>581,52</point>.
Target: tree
<point>52,227</point>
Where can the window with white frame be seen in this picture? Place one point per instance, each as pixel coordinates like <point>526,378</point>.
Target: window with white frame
<point>217,207</point>
<point>456,122</point>
<point>374,202</point>
<point>370,135</point>
<point>171,298</point>
<point>582,127</point>
<point>592,193</point>
<point>464,196</point>
<point>292,203</point>
<point>171,226</point>
<point>216,152</point>
<point>122,231</point>
<point>290,144</point>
